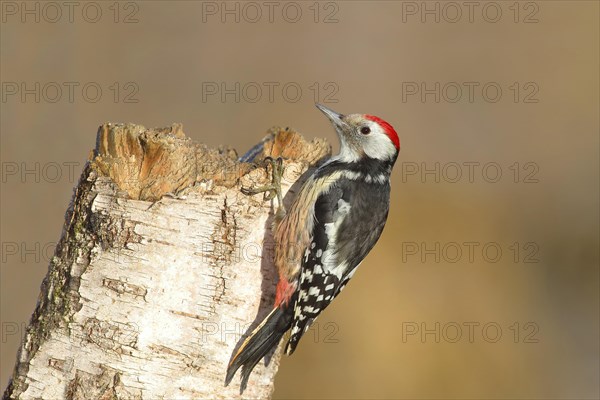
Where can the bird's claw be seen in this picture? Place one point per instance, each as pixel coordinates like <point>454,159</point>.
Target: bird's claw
<point>274,189</point>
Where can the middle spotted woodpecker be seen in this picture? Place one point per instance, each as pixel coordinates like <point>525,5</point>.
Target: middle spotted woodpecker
<point>333,223</point>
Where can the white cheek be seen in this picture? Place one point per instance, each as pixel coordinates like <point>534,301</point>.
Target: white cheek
<point>379,146</point>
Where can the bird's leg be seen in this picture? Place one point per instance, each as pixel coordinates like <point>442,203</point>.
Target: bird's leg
<point>274,188</point>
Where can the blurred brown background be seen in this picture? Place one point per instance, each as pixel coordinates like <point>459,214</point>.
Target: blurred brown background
<point>527,317</point>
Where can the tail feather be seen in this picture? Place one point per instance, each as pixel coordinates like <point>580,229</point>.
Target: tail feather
<point>263,338</point>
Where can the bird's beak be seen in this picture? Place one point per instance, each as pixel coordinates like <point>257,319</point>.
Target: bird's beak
<point>335,117</point>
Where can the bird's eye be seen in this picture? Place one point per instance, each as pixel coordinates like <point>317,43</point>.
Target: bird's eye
<point>365,130</point>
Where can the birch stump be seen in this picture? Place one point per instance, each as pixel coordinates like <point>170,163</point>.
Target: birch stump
<point>162,266</point>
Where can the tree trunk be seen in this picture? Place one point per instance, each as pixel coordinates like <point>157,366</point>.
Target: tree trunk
<point>162,266</point>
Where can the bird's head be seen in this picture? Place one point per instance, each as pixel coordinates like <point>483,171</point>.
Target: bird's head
<point>363,136</point>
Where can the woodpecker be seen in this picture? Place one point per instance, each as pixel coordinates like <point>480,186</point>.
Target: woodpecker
<point>332,224</point>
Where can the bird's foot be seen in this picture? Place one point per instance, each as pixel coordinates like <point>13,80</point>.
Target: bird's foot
<point>274,188</point>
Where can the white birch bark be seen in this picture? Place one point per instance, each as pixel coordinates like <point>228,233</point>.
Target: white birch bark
<point>161,267</point>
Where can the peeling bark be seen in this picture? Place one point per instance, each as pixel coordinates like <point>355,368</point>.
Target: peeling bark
<point>162,265</point>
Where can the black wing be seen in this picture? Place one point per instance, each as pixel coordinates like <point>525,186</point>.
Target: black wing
<point>348,222</point>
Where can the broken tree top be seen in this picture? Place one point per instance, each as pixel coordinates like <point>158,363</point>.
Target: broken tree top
<point>149,163</point>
